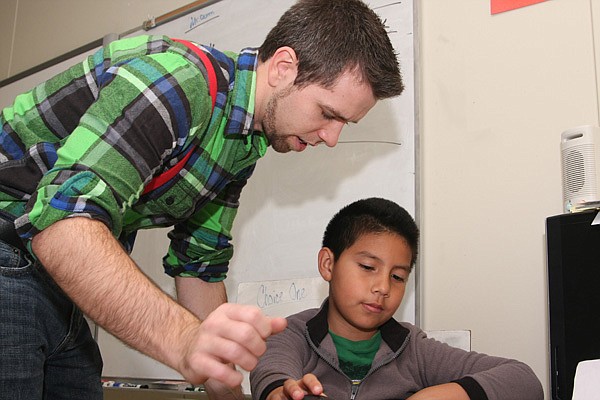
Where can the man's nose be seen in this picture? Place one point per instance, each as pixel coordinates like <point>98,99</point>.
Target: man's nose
<point>331,134</point>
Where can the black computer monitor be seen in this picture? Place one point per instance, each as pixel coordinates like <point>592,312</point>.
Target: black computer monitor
<point>574,296</point>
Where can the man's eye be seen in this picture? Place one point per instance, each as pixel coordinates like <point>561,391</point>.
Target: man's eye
<point>328,116</point>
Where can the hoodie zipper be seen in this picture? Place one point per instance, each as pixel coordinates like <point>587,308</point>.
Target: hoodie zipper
<point>354,389</point>
<point>355,383</point>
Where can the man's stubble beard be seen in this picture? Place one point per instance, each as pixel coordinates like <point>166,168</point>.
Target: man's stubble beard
<point>278,141</point>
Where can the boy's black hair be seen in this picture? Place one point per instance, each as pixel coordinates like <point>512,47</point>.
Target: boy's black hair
<point>372,215</point>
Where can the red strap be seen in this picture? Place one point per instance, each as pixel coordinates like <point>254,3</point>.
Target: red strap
<point>168,174</point>
<point>212,76</point>
<point>212,89</point>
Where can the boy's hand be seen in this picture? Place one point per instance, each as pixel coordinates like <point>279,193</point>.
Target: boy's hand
<point>296,390</point>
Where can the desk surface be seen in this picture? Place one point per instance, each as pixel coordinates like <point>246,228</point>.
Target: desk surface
<point>150,394</point>
<point>111,393</point>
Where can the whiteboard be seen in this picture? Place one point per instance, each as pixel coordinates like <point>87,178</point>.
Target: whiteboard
<point>291,197</point>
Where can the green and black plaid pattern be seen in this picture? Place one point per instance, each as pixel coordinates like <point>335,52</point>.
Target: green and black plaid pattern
<point>88,140</point>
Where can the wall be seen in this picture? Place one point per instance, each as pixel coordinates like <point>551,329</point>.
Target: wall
<point>7,14</point>
<point>34,31</point>
<point>496,92</point>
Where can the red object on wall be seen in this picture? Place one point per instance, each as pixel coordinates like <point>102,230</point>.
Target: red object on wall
<point>498,6</point>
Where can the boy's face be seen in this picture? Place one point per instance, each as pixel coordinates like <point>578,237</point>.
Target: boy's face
<point>366,283</point>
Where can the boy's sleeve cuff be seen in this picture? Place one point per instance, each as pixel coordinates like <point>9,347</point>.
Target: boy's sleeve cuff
<point>270,387</point>
<point>472,387</point>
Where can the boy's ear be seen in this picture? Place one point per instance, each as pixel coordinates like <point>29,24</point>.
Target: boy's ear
<point>283,67</point>
<point>326,262</point>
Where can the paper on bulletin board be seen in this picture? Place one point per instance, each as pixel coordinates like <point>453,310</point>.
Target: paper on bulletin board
<point>498,6</point>
<point>284,297</point>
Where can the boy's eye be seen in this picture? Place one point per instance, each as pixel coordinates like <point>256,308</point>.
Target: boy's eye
<point>398,278</point>
<point>367,267</point>
<point>328,116</point>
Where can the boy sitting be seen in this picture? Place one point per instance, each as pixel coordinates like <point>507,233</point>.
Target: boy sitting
<point>352,348</point>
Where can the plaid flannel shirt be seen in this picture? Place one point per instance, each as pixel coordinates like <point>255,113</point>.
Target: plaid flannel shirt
<point>87,141</point>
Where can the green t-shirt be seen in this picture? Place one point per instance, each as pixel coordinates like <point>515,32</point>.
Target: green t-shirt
<point>356,357</point>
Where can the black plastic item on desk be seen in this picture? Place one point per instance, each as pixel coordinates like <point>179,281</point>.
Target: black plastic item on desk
<point>573,245</point>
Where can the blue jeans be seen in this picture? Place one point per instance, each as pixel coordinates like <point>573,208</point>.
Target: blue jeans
<point>46,347</point>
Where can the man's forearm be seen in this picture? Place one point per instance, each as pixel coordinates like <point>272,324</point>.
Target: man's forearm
<point>89,264</point>
<point>93,269</point>
<point>200,297</point>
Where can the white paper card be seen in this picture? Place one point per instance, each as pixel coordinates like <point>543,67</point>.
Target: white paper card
<point>284,297</point>
<point>587,380</point>
<point>460,339</point>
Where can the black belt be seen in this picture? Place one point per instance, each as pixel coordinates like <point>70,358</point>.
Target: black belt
<point>9,235</point>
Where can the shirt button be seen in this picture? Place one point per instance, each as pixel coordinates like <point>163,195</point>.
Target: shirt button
<point>170,200</point>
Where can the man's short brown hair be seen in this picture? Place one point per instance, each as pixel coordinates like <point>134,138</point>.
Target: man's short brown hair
<point>331,37</point>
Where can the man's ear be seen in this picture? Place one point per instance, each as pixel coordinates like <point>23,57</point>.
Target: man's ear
<point>283,67</point>
<point>326,261</point>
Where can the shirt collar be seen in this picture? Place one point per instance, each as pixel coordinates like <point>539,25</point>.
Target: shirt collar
<point>393,333</point>
<point>241,114</point>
